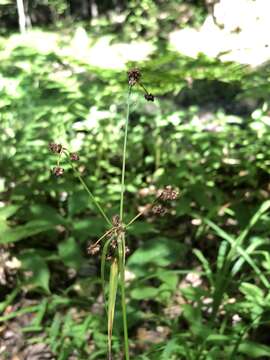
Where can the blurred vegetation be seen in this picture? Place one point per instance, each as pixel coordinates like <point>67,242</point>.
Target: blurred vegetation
<point>207,133</point>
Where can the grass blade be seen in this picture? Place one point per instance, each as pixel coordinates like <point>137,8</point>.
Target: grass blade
<point>102,270</point>
<point>206,265</point>
<point>239,250</point>
<point>263,208</point>
<point>111,305</point>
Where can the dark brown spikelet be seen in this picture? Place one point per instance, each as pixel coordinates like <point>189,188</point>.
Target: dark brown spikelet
<point>58,171</point>
<point>113,244</point>
<point>149,97</point>
<point>134,76</point>
<point>116,220</point>
<point>56,148</point>
<point>93,249</point>
<point>169,194</point>
<point>159,210</point>
<point>74,157</point>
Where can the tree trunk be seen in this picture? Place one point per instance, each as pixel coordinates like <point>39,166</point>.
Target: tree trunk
<point>21,15</point>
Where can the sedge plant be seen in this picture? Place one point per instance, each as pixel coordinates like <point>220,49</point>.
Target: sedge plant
<point>112,244</point>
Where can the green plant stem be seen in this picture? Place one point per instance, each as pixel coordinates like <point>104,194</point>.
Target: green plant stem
<point>124,158</point>
<point>140,214</point>
<point>90,193</point>
<point>134,219</point>
<point>121,242</point>
<point>123,294</point>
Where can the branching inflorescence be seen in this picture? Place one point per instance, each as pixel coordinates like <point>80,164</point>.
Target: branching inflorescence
<point>112,242</point>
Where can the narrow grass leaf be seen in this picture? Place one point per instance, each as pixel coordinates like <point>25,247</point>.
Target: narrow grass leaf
<point>239,263</point>
<point>263,208</point>
<point>205,264</point>
<point>222,252</point>
<point>102,270</point>
<point>240,251</point>
<point>111,304</point>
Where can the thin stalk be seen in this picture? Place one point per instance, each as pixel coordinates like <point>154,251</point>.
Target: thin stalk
<point>90,193</point>
<point>121,242</point>
<point>140,214</point>
<point>123,293</point>
<point>124,158</point>
<point>134,219</point>
<point>143,87</point>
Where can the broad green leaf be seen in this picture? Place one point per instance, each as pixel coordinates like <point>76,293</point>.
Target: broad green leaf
<point>71,253</point>
<point>144,292</point>
<point>254,350</point>
<point>48,213</point>
<point>24,231</point>
<point>5,213</point>
<point>170,278</point>
<point>77,202</point>
<point>8,211</point>
<point>38,268</point>
<point>159,251</point>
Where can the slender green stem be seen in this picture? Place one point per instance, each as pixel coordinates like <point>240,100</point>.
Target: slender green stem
<point>140,214</point>
<point>123,294</point>
<point>121,242</point>
<point>124,158</point>
<point>134,219</point>
<point>143,87</point>
<point>90,193</point>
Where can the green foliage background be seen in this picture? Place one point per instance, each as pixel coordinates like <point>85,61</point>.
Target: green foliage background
<point>207,133</point>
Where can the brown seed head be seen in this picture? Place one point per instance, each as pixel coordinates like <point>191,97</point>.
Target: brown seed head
<point>159,210</point>
<point>169,194</point>
<point>93,249</point>
<point>74,157</point>
<point>58,171</point>
<point>113,243</point>
<point>116,220</point>
<point>149,97</point>
<point>134,76</point>
<point>56,148</point>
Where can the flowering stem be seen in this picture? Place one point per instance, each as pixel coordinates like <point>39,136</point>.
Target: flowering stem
<point>124,158</point>
<point>141,213</point>
<point>121,242</point>
<point>89,193</point>
<point>143,87</point>
<point>134,219</point>
<point>123,295</point>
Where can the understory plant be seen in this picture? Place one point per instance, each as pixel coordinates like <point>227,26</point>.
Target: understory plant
<point>112,244</point>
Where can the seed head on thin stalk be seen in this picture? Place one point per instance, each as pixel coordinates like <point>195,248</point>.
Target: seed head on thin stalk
<point>114,247</point>
<point>73,157</point>
<point>134,78</point>
<point>168,193</point>
<point>93,249</point>
<point>58,171</point>
<point>159,210</point>
<point>156,207</point>
<point>56,148</point>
